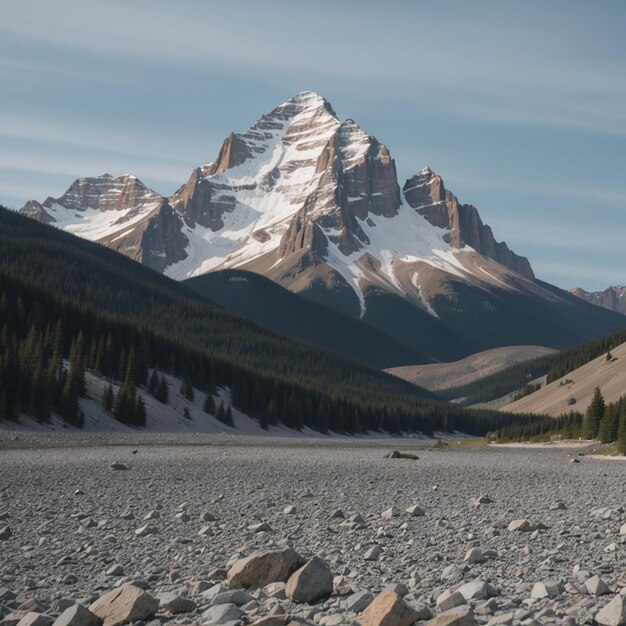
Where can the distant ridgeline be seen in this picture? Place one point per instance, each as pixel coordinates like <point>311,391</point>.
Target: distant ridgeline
<point>68,305</point>
<point>516,377</point>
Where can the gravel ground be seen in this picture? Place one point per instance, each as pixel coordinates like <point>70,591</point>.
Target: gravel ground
<point>72,519</point>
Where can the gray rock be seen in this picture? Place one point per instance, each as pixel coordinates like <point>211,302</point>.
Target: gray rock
<point>415,511</point>
<point>477,590</point>
<point>173,603</point>
<point>474,555</point>
<point>595,586</point>
<point>77,615</point>
<point>357,602</point>
<point>450,600</point>
<point>547,589</point>
<point>614,613</point>
<point>222,614</point>
<point>35,619</point>
<point>459,616</point>
<point>147,529</point>
<point>373,554</point>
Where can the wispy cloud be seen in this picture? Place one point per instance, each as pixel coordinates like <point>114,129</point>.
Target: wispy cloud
<point>501,61</point>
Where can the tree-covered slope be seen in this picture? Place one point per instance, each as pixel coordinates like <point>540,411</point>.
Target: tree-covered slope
<point>266,302</point>
<point>65,297</point>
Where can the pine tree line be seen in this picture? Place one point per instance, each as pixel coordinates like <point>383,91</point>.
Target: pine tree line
<point>606,422</point>
<point>47,345</point>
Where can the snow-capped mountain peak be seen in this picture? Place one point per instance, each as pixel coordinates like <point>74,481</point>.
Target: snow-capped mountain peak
<point>302,197</point>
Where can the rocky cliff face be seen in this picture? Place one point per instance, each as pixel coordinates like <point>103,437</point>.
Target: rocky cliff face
<point>612,298</point>
<point>426,192</point>
<point>121,213</point>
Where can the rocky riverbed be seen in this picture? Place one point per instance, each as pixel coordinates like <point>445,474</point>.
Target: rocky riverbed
<point>340,535</point>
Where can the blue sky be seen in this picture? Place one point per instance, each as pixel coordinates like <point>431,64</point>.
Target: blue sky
<point>520,106</point>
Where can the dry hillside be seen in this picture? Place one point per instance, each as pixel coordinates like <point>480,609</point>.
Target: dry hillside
<point>438,376</point>
<point>554,399</point>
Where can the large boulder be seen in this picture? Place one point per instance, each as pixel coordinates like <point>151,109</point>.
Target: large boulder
<point>126,604</point>
<point>388,609</point>
<point>262,568</point>
<point>311,582</point>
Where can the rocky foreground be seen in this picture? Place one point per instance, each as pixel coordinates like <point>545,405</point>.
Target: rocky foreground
<point>309,534</point>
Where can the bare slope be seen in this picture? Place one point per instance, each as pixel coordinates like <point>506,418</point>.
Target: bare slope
<point>554,399</point>
<point>438,376</point>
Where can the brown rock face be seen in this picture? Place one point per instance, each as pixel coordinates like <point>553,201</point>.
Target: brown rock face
<point>163,241</point>
<point>612,298</point>
<point>195,201</point>
<point>105,193</point>
<point>426,192</point>
<point>234,152</point>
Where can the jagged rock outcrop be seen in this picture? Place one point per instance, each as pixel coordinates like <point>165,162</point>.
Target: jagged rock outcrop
<point>612,298</point>
<point>426,192</point>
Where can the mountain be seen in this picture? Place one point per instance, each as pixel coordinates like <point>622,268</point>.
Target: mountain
<point>313,203</point>
<point>62,297</point>
<point>612,298</point>
<point>272,306</point>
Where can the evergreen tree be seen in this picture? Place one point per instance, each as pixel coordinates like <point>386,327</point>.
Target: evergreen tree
<point>228,416</point>
<point>140,412</point>
<point>186,389</point>
<point>209,404</point>
<point>153,383</point>
<point>593,416</point>
<point>186,413</point>
<point>609,424</point>
<point>163,393</point>
<point>108,398</point>
<point>126,401</point>
<point>620,444</point>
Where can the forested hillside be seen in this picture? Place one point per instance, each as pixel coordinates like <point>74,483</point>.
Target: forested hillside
<point>65,299</point>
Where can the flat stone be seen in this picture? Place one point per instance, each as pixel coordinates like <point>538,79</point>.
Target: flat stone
<point>458,616</point>
<point>222,614</point>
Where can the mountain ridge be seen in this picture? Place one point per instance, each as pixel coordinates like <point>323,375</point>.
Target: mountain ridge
<point>612,298</point>
<point>313,203</point>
